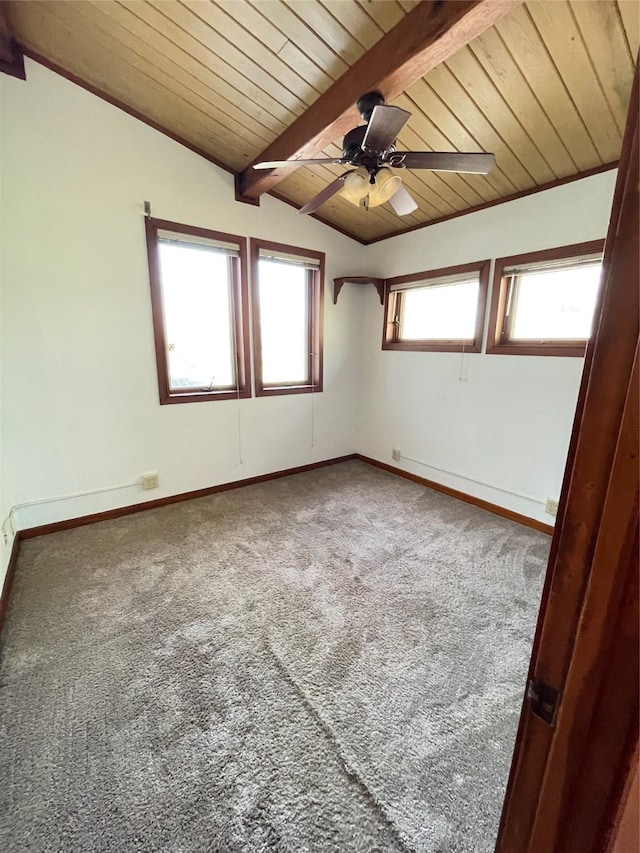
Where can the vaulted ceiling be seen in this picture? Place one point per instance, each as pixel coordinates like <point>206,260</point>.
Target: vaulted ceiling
<point>544,85</point>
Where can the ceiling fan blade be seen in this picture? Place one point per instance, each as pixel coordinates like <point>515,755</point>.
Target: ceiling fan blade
<point>325,194</point>
<point>402,201</point>
<point>443,161</point>
<point>293,164</point>
<point>384,125</point>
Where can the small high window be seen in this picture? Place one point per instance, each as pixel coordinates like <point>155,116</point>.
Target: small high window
<point>200,312</point>
<point>287,298</point>
<point>439,311</point>
<point>543,302</point>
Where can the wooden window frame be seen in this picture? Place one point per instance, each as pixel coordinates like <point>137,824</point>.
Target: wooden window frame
<point>498,342</point>
<point>315,320</point>
<point>240,308</point>
<point>393,304</point>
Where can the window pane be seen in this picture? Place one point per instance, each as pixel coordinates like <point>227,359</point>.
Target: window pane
<point>284,322</point>
<point>196,293</point>
<point>556,305</point>
<point>440,313</point>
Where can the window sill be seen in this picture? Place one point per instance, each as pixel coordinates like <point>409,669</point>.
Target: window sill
<point>203,396</point>
<point>432,346</point>
<point>556,349</point>
<point>288,389</point>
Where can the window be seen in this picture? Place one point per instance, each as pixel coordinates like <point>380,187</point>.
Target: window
<point>438,311</point>
<point>543,302</point>
<point>200,312</point>
<point>287,298</point>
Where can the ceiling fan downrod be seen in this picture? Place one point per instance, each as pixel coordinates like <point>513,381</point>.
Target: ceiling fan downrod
<point>367,103</point>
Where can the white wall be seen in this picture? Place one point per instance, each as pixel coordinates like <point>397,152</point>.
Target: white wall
<point>80,404</point>
<point>502,420</point>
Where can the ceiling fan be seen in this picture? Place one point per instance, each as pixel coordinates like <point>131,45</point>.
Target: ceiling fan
<point>371,149</point>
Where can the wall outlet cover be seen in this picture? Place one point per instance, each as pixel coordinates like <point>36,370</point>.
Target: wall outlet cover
<point>150,480</point>
<point>551,506</point>
<point>396,454</point>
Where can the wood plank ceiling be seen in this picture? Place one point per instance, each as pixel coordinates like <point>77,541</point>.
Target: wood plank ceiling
<point>546,88</point>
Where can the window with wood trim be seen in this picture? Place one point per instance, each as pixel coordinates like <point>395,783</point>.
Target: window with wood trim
<point>287,286</point>
<point>199,299</point>
<point>543,302</point>
<point>437,311</point>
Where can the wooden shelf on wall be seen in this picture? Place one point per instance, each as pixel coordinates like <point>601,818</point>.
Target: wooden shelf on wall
<point>338,284</point>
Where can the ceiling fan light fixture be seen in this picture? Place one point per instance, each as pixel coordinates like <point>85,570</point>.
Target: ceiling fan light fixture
<point>356,185</point>
<point>385,186</point>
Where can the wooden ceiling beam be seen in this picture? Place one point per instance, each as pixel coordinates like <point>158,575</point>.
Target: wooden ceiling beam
<point>428,35</point>
<point>11,56</point>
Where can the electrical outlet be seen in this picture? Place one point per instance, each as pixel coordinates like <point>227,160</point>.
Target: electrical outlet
<point>551,506</point>
<point>150,480</point>
<point>396,454</point>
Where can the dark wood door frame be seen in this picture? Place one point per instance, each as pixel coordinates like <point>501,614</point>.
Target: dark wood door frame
<point>568,777</point>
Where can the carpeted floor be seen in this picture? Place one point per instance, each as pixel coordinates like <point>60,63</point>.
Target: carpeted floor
<point>332,661</point>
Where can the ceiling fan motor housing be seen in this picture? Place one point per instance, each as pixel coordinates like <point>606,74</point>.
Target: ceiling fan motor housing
<point>353,152</point>
<point>351,144</point>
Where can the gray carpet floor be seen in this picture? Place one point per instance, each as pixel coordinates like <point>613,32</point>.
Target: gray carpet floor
<point>332,661</point>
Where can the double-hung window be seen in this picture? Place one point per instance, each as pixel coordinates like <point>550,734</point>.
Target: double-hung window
<point>438,310</point>
<point>543,302</point>
<point>200,312</point>
<point>287,300</point>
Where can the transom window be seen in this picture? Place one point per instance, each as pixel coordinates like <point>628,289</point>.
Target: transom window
<point>287,298</point>
<point>199,302</point>
<point>543,303</point>
<point>439,310</point>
